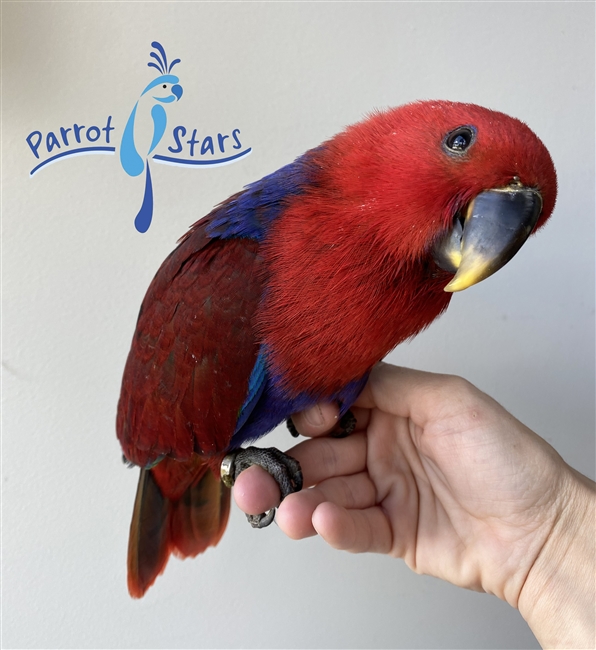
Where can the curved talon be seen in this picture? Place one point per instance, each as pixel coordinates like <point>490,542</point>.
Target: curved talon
<point>263,520</point>
<point>292,428</point>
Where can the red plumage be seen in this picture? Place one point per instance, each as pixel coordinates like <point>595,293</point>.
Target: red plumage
<point>177,398</point>
<point>353,270</point>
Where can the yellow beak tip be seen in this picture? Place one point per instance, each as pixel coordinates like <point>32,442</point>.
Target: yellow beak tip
<point>468,275</point>
<point>454,286</point>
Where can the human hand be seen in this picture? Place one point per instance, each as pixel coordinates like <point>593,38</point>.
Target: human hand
<point>437,473</point>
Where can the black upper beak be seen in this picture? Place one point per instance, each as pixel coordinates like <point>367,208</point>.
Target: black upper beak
<point>496,225</point>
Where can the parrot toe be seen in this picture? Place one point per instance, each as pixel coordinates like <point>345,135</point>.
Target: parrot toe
<point>345,426</point>
<point>283,468</point>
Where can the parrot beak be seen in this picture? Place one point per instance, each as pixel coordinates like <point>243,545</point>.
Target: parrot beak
<point>495,226</point>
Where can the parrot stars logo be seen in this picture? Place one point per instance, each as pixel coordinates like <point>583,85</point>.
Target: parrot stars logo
<point>145,129</point>
<point>160,92</point>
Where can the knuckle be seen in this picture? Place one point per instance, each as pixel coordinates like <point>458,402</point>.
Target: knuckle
<point>348,497</point>
<point>457,390</point>
<point>459,385</point>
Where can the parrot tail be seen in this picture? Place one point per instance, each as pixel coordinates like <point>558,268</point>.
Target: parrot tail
<point>145,214</point>
<point>185,526</point>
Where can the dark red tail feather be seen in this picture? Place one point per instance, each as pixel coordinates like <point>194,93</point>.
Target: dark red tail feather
<point>160,525</point>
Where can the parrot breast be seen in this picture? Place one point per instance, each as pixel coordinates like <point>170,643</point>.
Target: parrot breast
<point>336,305</point>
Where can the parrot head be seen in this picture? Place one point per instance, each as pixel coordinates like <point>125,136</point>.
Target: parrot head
<point>458,183</point>
<point>401,210</point>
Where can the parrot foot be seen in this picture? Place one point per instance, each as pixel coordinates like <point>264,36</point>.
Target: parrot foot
<point>345,426</point>
<point>283,468</point>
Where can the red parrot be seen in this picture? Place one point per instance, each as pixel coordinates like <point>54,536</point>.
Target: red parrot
<point>289,292</point>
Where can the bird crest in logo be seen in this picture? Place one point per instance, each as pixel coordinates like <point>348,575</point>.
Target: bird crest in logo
<point>149,112</point>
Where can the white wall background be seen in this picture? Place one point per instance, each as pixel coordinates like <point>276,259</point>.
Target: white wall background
<point>75,270</point>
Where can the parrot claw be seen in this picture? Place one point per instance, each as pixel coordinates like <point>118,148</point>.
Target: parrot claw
<point>283,468</point>
<point>263,520</point>
<point>292,428</point>
<point>345,426</point>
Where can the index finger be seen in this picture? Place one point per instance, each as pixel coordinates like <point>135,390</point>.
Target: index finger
<point>415,394</point>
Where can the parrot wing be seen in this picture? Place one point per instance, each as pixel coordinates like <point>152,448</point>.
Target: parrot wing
<point>184,386</point>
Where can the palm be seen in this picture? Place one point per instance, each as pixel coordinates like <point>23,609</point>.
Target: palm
<point>454,499</point>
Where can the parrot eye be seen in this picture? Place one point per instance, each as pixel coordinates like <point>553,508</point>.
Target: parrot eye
<point>460,139</point>
<point>165,85</point>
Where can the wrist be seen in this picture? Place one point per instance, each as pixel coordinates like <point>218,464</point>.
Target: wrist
<point>557,599</point>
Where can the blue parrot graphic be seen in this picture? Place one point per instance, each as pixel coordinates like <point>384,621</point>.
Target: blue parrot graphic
<point>163,90</point>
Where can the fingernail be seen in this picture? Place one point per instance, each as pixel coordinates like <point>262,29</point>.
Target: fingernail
<point>314,416</point>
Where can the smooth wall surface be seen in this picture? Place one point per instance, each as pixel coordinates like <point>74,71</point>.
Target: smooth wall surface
<point>288,75</point>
